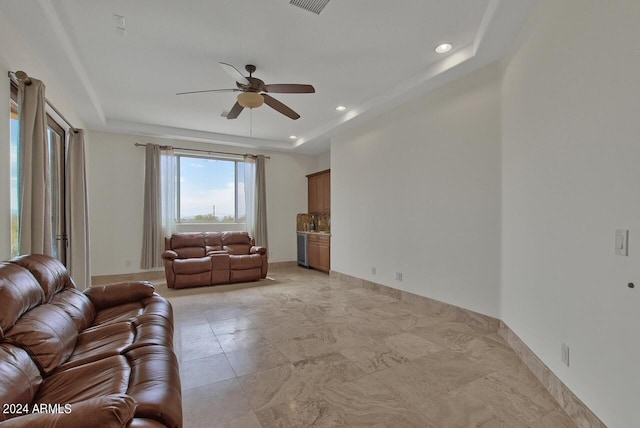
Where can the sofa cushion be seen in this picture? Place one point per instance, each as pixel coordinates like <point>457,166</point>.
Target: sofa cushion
<point>237,249</point>
<point>187,239</point>
<point>19,292</point>
<point>99,342</point>
<point>154,306</point>
<point>236,237</point>
<point>77,305</point>
<point>120,293</point>
<point>109,411</point>
<point>50,273</point>
<point>190,272</point>
<point>245,275</point>
<point>20,378</point>
<point>237,243</point>
<point>192,266</point>
<point>188,252</point>
<point>188,244</point>
<point>109,375</point>
<point>48,333</point>
<point>213,241</point>
<point>245,262</point>
<point>102,341</point>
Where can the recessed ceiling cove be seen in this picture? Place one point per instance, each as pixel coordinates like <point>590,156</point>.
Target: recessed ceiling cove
<point>362,54</point>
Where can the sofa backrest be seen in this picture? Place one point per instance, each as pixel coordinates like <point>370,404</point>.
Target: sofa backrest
<point>213,241</point>
<point>19,293</point>
<point>44,311</point>
<point>20,379</point>
<point>49,271</point>
<point>236,243</point>
<point>187,244</point>
<point>199,244</point>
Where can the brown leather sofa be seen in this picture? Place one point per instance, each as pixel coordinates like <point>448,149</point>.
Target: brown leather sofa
<point>193,259</point>
<point>99,358</point>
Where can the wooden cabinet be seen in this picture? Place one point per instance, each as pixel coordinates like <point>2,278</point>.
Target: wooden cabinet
<point>324,253</point>
<point>319,192</point>
<point>319,244</point>
<point>319,250</point>
<point>312,250</point>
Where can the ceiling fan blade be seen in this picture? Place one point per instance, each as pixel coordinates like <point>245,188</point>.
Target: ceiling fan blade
<point>279,107</point>
<point>235,111</point>
<point>234,73</point>
<point>289,88</point>
<point>208,90</point>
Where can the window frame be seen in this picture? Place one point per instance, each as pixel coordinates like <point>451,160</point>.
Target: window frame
<point>13,115</point>
<point>236,171</point>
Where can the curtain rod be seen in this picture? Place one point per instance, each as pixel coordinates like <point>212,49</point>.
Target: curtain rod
<point>211,152</point>
<point>21,76</point>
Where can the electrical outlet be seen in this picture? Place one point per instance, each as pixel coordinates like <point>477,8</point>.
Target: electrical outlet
<point>622,239</point>
<point>128,263</point>
<point>398,276</point>
<point>564,354</point>
<point>373,270</point>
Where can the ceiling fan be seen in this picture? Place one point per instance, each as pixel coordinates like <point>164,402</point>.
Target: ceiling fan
<point>254,92</point>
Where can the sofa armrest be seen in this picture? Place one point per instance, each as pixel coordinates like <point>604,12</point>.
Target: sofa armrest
<point>117,294</point>
<point>169,255</point>
<point>258,250</point>
<point>108,411</point>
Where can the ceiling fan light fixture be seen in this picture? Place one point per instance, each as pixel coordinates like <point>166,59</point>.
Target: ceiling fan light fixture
<point>250,100</point>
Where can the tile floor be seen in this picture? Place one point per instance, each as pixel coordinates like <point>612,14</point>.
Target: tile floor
<point>303,350</point>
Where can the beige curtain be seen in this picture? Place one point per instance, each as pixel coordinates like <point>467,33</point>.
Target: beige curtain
<point>34,186</point>
<point>168,195</point>
<point>78,260</point>
<point>261,204</point>
<point>152,235</point>
<point>249,184</point>
<point>256,198</point>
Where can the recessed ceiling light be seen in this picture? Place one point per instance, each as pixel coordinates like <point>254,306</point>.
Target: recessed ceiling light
<point>443,48</point>
<point>341,108</point>
<point>292,137</point>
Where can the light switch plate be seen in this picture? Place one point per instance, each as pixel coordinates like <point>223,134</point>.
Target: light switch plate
<point>621,242</point>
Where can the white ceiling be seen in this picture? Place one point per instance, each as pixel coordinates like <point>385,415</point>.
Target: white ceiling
<point>368,55</point>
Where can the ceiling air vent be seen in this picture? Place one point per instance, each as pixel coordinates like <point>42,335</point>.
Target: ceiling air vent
<point>314,6</point>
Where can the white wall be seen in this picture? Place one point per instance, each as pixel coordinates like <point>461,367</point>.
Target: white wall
<point>571,174</point>
<point>116,185</point>
<point>323,161</point>
<point>417,191</point>
<point>16,55</point>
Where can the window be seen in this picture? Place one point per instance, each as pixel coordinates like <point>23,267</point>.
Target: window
<point>210,190</point>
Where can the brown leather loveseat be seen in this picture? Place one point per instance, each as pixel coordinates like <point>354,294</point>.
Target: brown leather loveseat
<point>99,358</point>
<point>194,259</point>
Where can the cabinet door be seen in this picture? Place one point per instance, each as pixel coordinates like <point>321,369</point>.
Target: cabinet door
<point>325,192</point>
<point>324,254</point>
<point>312,194</point>
<point>312,249</point>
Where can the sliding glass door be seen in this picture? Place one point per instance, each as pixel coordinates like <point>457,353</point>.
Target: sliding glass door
<point>56,137</point>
